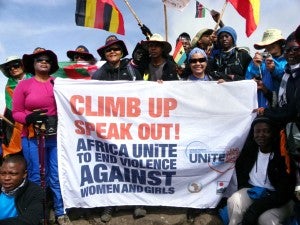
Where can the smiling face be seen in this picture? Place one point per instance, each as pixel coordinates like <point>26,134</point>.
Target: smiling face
<point>113,54</point>
<point>198,64</point>
<point>292,52</point>
<point>262,135</point>
<point>12,175</point>
<point>16,69</point>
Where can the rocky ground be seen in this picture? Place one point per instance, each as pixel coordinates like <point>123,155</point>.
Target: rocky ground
<point>155,216</point>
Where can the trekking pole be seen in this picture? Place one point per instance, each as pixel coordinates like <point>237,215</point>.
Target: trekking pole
<point>146,32</point>
<point>40,129</point>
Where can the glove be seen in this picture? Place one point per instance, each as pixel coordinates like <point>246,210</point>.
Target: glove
<point>146,31</point>
<point>37,116</point>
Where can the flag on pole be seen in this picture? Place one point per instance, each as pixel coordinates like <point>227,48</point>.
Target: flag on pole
<point>179,55</point>
<point>178,4</point>
<point>200,10</point>
<point>250,10</point>
<point>101,14</point>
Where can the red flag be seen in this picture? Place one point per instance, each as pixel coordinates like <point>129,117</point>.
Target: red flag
<point>75,70</point>
<point>101,14</point>
<point>200,10</point>
<point>249,9</point>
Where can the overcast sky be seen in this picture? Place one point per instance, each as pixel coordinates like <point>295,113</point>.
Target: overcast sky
<point>26,24</point>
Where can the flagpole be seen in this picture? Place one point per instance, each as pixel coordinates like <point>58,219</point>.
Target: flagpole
<point>6,120</point>
<point>166,22</point>
<point>221,15</point>
<point>145,30</point>
<point>133,13</point>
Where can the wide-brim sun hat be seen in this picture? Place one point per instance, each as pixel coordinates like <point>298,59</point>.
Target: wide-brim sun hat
<point>199,34</point>
<point>112,40</point>
<point>81,50</point>
<point>270,36</point>
<point>28,61</point>
<point>10,59</point>
<point>158,38</point>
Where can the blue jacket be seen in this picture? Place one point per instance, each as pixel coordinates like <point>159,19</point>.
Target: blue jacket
<point>275,76</point>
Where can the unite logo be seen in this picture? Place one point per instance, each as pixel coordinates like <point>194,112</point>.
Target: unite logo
<point>219,160</point>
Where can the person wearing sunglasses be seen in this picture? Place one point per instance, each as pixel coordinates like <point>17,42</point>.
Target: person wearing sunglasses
<point>288,108</point>
<point>197,61</point>
<point>82,64</point>
<point>116,66</point>
<point>34,106</point>
<point>13,69</point>
<point>81,55</point>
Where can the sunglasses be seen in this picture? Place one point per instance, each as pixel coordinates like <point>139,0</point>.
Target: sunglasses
<point>292,49</point>
<point>39,60</point>
<point>113,49</point>
<point>80,57</point>
<point>200,60</point>
<point>13,66</point>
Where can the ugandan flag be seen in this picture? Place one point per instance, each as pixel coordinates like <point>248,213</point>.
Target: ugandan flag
<point>250,10</point>
<point>101,14</point>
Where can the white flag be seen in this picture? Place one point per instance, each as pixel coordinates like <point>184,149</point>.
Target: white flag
<point>178,4</point>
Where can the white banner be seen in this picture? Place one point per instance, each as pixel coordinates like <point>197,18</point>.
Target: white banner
<point>145,143</point>
<point>178,4</point>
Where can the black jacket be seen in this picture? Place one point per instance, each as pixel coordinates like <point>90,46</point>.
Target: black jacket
<point>169,71</point>
<point>290,111</point>
<point>29,202</point>
<point>281,180</point>
<point>124,72</point>
<point>234,63</point>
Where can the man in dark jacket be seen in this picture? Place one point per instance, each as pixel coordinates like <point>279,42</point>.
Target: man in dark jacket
<point>161,65</point>
<point>231,63</point>
<point>21,201</point>
<point>265,181</point>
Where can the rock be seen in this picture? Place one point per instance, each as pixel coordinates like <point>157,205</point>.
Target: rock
<point>155,216</point>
